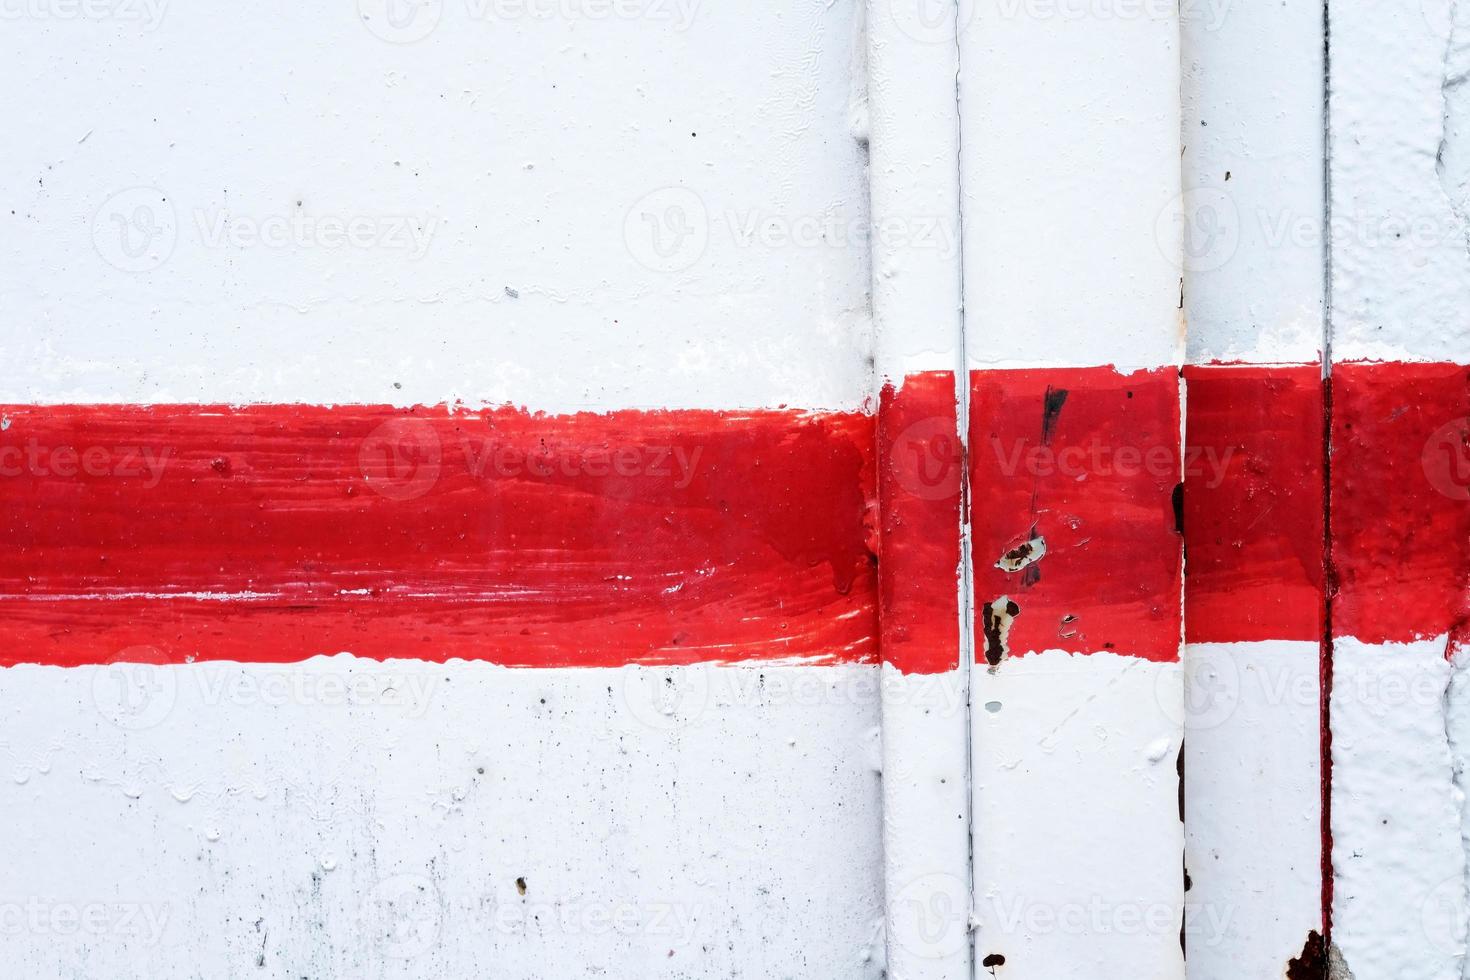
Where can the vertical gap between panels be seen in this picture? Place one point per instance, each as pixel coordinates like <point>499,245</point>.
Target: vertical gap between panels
<point>1329,570</point>
<point>962,413</point>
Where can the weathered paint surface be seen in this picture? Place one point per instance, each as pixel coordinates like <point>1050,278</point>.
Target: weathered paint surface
<point>1254,608</point>
<point>1074,473</point>
<point>913,143</point>
<point>1254,297</point>
<point>563,214</point>
<point>350,818</point>
<point>1400,341</point>
<point>1071,180</point>
<point>1401,557</point>
<point>702,442</point>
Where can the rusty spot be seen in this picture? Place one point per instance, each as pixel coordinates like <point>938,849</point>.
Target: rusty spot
<point>1311,962</point>
<point>1179,767</point>
<point>1024,554</point>
<point>992,961</point>
<point>521,885</point>
<point>1051,408</point>
<point>996,622</point>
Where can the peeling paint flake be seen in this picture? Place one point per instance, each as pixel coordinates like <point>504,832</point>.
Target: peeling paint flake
<point>1023,555</point>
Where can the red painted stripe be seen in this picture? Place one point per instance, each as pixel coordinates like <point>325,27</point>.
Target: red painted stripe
<point>1400,499</point>
<point>921,468</point>
<point>1253,504</point>
<point>524,539</point>
<point>1089,460</point>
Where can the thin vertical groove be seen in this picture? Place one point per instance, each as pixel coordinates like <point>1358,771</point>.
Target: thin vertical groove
<point>1329,570</point>
<point>962,396</point>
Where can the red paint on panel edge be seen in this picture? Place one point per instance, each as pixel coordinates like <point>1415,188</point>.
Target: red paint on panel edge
<point>1253,503</point>
<point>274,533</point>
<point>1400,499</point>
<point>1088,461</point>
<point>921,466</point>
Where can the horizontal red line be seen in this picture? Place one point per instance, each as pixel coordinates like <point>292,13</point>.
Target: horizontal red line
<point>273,533</point>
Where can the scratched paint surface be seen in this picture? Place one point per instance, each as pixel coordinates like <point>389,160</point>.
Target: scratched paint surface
<point>1074,475</point>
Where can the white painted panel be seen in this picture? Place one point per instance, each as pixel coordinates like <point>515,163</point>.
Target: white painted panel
<point>1072,228</point>
<point>661,204</point>
<point>1254,234</point>
<point>345,818</point>
<point>1400,150</point>
<point>1071,180</point>
<point>1400,180</point>
<point>913,131</point>
<point>658,205</point>
<point>1254,265</point>
<point>1398,865</point>
<point>1252,811</point>
<point>926,825</point>
<point>1076,784</point>
<point>913,142</point>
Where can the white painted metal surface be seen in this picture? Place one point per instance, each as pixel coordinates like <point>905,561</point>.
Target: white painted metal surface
<point>354,819</point>
<point>1071,195</point>
<point>1400,291</point>
<point>913,143</point>
<point>1254,293</point>
<point>661,205</point>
